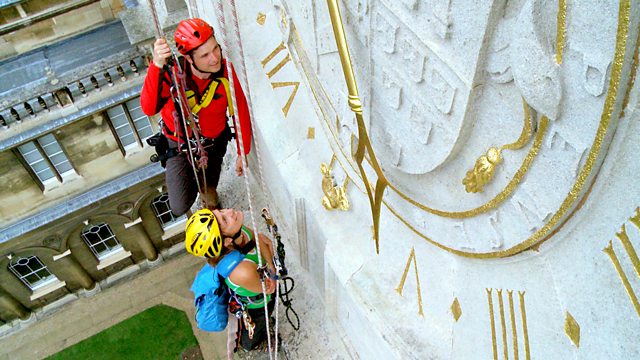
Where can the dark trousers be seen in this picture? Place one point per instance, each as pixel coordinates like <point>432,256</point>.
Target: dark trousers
<point>181,179</point>
<point>260,331</point>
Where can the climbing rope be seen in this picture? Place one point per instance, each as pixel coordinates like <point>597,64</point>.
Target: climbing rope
<point>222,23</point>
<point>279,254</point>
<point>270,224</point>
<point>189,124</point>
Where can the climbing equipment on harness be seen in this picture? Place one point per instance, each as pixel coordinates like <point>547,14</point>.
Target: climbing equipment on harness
<point>278,261</point>
<point>191,33</point>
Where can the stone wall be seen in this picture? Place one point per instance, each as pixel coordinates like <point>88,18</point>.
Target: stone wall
<point>492,207</point>
<point>58,27</point>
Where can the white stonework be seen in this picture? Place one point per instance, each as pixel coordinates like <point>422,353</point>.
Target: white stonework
<point>441,82</point>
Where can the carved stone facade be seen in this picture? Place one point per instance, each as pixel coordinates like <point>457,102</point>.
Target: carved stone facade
<point>489,149</point>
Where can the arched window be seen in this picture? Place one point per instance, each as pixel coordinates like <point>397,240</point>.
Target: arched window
<point>163,212</point>
<point>101,240</point>
<point>31,271</point>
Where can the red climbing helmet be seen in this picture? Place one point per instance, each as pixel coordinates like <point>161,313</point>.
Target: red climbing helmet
<point>191,33</point>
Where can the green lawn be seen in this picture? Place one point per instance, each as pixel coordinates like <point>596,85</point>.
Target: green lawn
<point>160,332</point>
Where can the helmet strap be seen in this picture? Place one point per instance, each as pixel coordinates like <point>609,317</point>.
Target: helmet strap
<point>246,247</point>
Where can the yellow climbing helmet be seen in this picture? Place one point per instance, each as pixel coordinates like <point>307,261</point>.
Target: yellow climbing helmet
<point>202,234</point>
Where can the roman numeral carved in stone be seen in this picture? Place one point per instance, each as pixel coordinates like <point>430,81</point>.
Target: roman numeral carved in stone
<point>276,69</point>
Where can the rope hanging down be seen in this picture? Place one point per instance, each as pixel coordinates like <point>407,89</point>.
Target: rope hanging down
<point>279,255</point>
<point>222,23</point>
<point>184,121</point>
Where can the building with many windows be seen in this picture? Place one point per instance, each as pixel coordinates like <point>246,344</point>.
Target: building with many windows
<point>81,204</point>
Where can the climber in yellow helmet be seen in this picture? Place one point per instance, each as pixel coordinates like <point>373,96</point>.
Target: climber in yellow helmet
<point>212,234</point>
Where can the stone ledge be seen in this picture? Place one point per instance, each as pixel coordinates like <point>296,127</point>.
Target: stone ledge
<point>113,258</point>
<point>47,289</point>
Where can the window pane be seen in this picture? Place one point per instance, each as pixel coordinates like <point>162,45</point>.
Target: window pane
<point>144,127</point>
<point>166,217</point>
<point>57,158</point>
<point>104,231</point>
<point>31,278</point>
<point>32,157</point>
<point>51,148</point>
<point>100,248</point>
<point>40,166</point>
<point>91,239</point>
<point>112,242</point>
<point>43,273</point>
<point>115,111</point>
<point>140,120</point>
<point>123,130</point>
<point>64,167</point>
<point>46,140</point>
<point>25,148</point>
<point>45,174</point>
<point>127,140</point>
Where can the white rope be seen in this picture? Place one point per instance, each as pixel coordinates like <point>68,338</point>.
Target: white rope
<point>222,23</point>
<point>244,81</point>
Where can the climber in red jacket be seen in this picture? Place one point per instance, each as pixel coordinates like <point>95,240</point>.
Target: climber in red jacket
<point>207,91</point>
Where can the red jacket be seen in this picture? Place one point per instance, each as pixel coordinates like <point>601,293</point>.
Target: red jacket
<point>155,97</point>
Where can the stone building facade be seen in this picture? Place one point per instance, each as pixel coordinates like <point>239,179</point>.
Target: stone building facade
<point>82,206</point>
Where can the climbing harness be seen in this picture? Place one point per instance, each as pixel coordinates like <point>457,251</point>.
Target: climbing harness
<point>187,131</point>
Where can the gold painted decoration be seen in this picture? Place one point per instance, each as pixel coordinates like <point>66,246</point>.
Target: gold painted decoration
<point>295,84</point>
<point>632,77</point>
<point>335,197</point>
<point>505,350</point>
<point>628,247</point>
<point>514,333</point>
<point>273,54</point>
<point>311,133</point>
<point>635,219</point>
<point>261,19</point>
<point>558,218</point>
<point>456,311</point>
<point>572,329</point>
<point>631,255</point>
<point>278,84</point>
<point>561,30</point>
<point>483,171</point>
<point>525,329</point>
<point>623,277</point>
<point>412,256</point>
<point>515,350</point>
<point>485,167</point>
<point>494,341</point>
<point>364,144</point>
